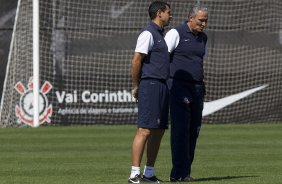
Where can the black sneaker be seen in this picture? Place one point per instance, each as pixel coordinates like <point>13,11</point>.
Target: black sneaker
<point>136,179</point>
<point>153,179</point>
<point>186,179</point>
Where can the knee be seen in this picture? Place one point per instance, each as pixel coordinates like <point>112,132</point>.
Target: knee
<point>144,132</point>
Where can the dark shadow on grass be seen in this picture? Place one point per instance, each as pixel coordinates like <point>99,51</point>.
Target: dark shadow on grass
<point>216,178</point>
<point>223,178</point>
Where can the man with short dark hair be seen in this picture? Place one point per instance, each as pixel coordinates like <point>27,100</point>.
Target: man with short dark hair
<point>150,70</point>
<point>187,46</point>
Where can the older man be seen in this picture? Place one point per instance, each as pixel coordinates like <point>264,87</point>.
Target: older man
<point>187,46</point>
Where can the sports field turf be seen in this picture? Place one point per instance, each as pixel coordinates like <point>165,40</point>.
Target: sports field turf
<point>245,154</point>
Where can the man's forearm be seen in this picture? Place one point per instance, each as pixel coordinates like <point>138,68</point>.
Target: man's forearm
<point>136,69</point>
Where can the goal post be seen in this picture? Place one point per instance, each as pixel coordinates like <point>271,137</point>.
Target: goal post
<point>84,62</point>
<point>36,61</point>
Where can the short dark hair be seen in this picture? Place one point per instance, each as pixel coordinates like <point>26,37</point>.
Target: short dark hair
<point>155,7</point>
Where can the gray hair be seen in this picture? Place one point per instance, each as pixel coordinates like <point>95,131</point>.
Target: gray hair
<point>195,8</point>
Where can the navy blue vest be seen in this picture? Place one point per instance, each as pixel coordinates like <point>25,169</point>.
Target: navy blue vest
<point>156,63</point>
<point>187,58</point>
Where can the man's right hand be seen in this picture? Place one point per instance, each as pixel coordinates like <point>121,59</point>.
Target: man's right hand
<point>135,93</point>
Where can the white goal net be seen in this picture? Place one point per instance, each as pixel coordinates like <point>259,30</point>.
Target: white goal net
<point>86,48</point>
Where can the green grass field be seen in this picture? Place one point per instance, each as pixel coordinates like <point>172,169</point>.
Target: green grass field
<point>247,154</point>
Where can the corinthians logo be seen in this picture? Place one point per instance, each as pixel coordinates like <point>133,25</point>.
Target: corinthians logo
<point>24,111</point>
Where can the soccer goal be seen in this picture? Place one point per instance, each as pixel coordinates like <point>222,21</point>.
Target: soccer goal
<point>84,62</point>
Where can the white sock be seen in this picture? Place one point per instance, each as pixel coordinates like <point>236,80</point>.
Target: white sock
<point>134,171</point>
<point>148,171</point>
